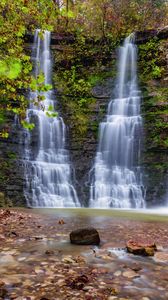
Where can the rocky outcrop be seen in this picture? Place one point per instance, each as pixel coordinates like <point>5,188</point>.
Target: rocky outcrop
<point>142,37</point>
<point>85,236</point>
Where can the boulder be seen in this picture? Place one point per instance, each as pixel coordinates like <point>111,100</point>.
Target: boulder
<point>141,247</point>
<point>85,236</point>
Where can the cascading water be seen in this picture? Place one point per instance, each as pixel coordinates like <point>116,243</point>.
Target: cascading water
<point>47,168</point>
<point>117,179</point>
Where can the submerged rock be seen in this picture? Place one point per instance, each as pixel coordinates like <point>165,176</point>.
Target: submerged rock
<point>130,274</point>
<point>141,247</point>
<point>78,282</point>
<point>85,236</point>
<point>161,256</point>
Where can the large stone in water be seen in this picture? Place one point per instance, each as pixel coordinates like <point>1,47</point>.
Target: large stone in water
<point>141,247</point>
<point>85,236</point>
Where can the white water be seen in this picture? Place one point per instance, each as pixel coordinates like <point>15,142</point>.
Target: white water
<point>117,178</point>
<point>47,168</point>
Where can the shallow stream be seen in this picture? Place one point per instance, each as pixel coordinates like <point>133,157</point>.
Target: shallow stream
<point>36,263</point>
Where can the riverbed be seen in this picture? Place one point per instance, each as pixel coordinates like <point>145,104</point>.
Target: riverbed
<point>38,262</point>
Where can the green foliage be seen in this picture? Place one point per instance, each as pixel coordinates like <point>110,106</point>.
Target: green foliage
<point>16,17</point>
<point>152,73</point>
<point>96,25</point>
<point>4,134</point>
<point>11,155</point>
<point>51,113</point>
<point>156,71</point>
<point>156,127</point>
<point>27,125</point>
<point>149,59</point>
<point>10,68</point>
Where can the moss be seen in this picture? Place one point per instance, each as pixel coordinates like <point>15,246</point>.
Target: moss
<point>152,58</point>
<point>79,68</point>
<point>149,60</point>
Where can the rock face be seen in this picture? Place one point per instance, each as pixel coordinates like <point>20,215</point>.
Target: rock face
<point>85,236</point>
<point>12,180</point>
<point>141,247</point>
<point>144,36</point>
<point>83,148</point>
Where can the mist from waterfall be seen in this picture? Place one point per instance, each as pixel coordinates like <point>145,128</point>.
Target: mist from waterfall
<point>47,169</point>
<point>116,178</point>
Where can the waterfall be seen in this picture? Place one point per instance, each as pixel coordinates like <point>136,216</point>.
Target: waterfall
<point>47,168</point>
<point>116,178</point>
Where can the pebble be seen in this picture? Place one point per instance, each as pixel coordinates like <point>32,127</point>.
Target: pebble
<point>102,283</point>
<point>38,271</point>
<point>61,282</point>
<point>21,258</point>
<point>130,274</point>
<point>68,260</point>
<point>2,237</point>
<point>87,288</point>
<point>117,273</point>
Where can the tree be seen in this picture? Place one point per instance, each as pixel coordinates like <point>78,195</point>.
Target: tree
<point>18,16</point>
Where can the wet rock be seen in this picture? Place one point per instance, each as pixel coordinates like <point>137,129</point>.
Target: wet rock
<point>61,222</point>
<point>105,255</point>
<point>7,259</point>
<point>117,273</point>
<point>80,259</point>
<point>136,267</point>
<point>85,236</point>
<point>141,247</point>
<point>38,270</point>
<point>68,260</point>
<point>87,288</point>
<point>13,233</point>
<point>39,237</point>
<point>2,237</point>
<point>5,214</point>
<point>161,256</point>
<point>114,291</point>
<point>130,274</point>
<point>3,291</point>
<point>49,252</point>
<point>78,282</point>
